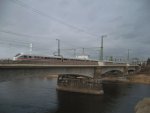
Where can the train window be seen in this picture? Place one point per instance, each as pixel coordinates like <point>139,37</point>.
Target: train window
<point>30,56</point>
<point>25,56</point>
<point>21,57</point>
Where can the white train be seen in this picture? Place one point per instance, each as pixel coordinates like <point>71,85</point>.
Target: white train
<point>21,56</point>
<point>54,59</point>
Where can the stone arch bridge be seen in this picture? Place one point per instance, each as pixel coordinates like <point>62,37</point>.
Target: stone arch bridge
<point>74,78</point>
<point>93,71</point>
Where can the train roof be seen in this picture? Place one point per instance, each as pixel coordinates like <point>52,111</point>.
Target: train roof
<point>53,57</point>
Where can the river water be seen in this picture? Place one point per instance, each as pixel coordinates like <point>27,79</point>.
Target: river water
<point>39,95</point>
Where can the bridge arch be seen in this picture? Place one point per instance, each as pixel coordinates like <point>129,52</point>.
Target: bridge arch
<point>131,71</point>
<point>118,70</point>
<point>112,73</point>
<point>113,70</point>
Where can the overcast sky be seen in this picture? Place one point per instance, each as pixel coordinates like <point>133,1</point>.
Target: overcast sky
<point>78,24</point>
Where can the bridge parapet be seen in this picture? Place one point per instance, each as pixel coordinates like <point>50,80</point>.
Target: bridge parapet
<point>50,62</point>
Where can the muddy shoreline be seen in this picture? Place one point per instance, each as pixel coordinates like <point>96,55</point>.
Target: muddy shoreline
<point>143,106</point>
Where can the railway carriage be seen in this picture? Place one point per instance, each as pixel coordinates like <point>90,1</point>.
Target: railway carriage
<point>53,60</point>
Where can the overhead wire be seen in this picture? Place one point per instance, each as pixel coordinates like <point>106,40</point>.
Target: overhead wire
<point>22,34</point>
<point>24,45</point>
<point>35,48</point>
<point>19,42</point>
<point>26,6</point>
<point>44,15</point>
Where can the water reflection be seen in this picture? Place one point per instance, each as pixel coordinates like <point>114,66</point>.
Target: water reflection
<point>118,98</point>
<point>81,103</point>
<point>36,94</point>
<point>28,95</point>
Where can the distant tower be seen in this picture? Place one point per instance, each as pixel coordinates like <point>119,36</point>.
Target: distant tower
<point>58,51</point>
<point>102,47</point>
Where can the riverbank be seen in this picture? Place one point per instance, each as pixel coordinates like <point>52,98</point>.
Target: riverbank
<point>143,106</point>
<point>143,77</point>
<point>139,78</point>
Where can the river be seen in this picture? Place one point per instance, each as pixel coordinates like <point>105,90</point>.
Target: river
<point>39,95</point>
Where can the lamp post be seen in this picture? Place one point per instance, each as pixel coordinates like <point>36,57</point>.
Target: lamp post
<point>102,48</point>
<point>128,58</point>
<point>58,47</point>
<point>83,51</point>
<point>31,48</point>
<point>74,52</point>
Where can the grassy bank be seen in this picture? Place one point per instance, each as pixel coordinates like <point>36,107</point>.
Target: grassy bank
<point>139,78</point>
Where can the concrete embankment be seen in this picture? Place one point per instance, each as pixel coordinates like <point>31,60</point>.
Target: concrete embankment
<point>143,106</point>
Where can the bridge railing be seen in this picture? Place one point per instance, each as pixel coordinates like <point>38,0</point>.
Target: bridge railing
<point>48,62</point>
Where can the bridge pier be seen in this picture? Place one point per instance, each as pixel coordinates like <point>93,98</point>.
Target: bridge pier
<point>97,72</point>
<point>125,71</point>
<point>81,84</point>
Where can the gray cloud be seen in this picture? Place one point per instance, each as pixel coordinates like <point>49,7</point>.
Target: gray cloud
<point>125,22</point>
